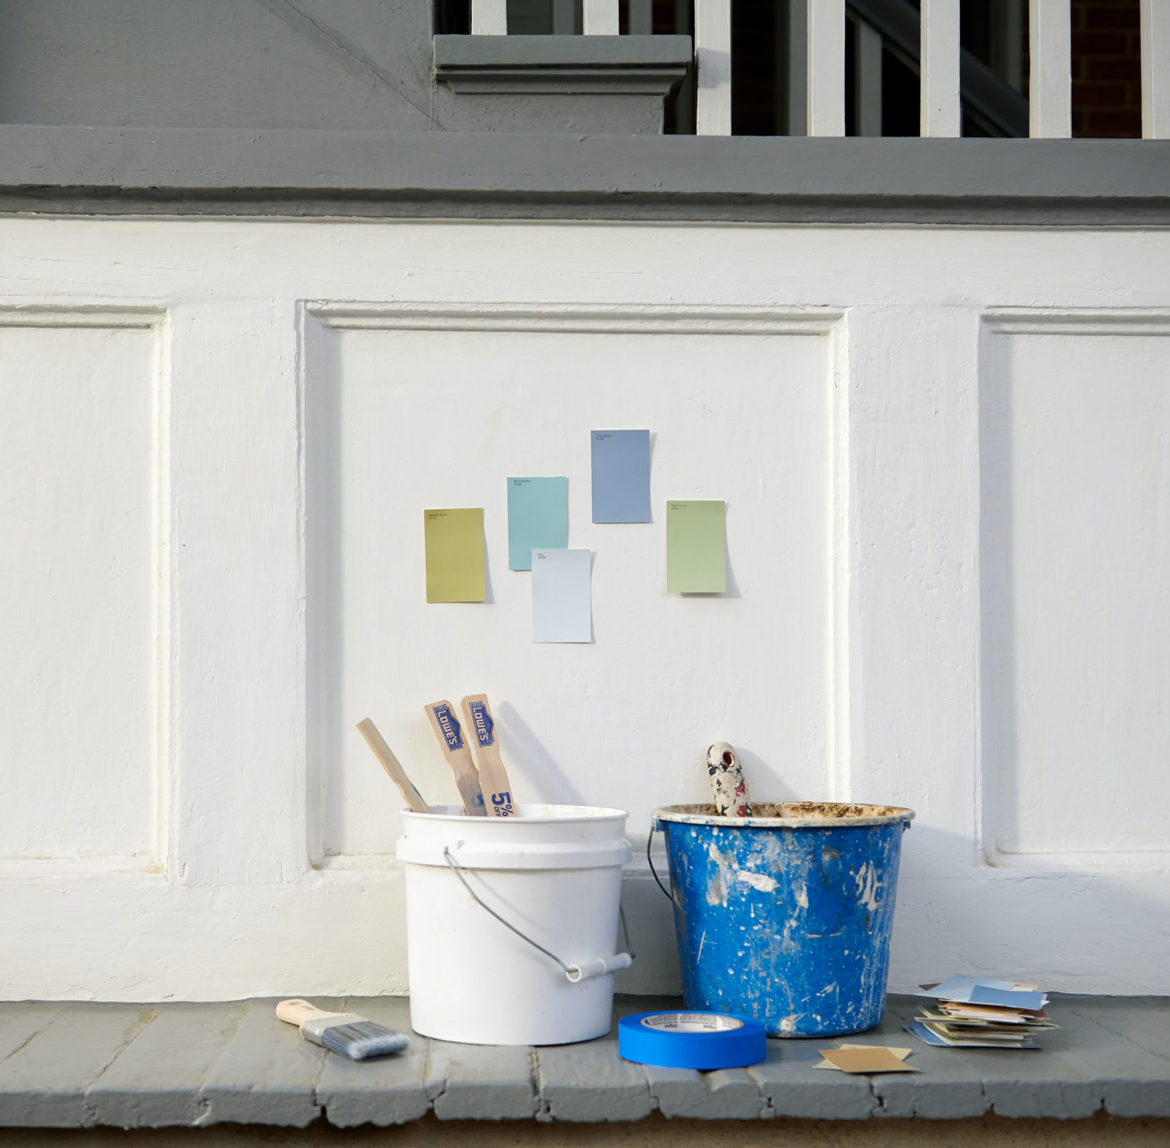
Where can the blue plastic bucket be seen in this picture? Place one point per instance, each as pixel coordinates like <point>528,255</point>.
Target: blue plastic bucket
<point>785,916</point>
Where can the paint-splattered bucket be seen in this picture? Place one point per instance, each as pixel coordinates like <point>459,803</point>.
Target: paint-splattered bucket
<point>786,915</point>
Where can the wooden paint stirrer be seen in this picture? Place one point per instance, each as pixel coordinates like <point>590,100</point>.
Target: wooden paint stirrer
<point>449,735</point>
<point>493,778</point>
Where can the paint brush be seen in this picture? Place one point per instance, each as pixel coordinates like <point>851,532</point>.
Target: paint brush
<point>449,735</point>
<point>493,778</point>
<point>343,1032</point>
<point>390,764</point>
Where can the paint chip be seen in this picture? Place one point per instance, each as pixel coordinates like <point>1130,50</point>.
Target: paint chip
<point>866,1058</point>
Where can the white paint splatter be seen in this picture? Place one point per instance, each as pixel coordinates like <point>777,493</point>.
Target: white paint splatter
<point>760,881</point>
<point>867,885</point>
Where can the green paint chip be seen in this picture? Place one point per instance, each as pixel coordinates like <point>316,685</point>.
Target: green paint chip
<point>696,553</point>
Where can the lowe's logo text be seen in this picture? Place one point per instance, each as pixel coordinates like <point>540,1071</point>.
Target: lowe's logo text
<point>449,726</point>
<point>483,723</point>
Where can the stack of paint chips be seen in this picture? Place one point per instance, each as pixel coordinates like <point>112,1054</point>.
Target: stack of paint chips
<point>975,1013</point>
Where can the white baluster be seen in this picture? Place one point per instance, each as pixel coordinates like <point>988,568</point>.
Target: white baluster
<point>489,17</point>
<point>713,62</point>
<point>941,111</point>
<point>601,17</point>
<point>826,68</point>
<point>641,17</point>
<point>1050,89</point>
<point>1155,69</point>
<point>869,80</point>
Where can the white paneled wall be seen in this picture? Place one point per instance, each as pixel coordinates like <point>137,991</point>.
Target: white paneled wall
<point>946,457</point>
<point>83,632</point>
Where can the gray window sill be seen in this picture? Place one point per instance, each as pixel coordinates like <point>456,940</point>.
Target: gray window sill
<point>70,1065</point>
<point>491,175</point>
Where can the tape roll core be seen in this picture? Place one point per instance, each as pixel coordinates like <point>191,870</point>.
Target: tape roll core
<point>690,1039</point>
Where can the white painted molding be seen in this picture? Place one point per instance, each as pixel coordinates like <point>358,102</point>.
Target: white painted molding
<point>826,68</point>
<point>713,66</point>
<point>156,864</point>
<point>570,317</point>
<point>1065,322</point>
<point>624,319</point>
<point>1082,863</point>
<point>1078,321</point>
<point>489,17</point>
<point>131,316</point>
<point>941,111</point>
<point>139,869</point>
<point>839,537</point>
<point>1050,89</point>
<point>1155,69</point>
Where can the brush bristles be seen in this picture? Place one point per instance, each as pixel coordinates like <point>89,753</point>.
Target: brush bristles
<point>362,1039</point>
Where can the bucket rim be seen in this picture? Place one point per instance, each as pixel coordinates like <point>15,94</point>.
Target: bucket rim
<point>583,813</point>
<point>696,814</point>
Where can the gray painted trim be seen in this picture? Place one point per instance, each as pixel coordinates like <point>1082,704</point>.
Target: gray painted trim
<point>561,51</point>
<point>68,170</point>
<point>635,65</point>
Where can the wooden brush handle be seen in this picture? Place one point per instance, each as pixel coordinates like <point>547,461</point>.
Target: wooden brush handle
<point>390,764</point>
<point>493,778</point>
<point>297,1011</point>
<point>449,735</point>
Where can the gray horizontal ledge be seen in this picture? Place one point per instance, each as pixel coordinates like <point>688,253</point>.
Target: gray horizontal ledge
<point>65,170</point>
<point>561,51</point>
<point>650,65</point>
<point>81,1064</point>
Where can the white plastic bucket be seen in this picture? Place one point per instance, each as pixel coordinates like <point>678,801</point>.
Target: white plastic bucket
<point>554,874</point>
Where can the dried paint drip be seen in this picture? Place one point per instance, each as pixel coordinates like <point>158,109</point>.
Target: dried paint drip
<point>727,782</point>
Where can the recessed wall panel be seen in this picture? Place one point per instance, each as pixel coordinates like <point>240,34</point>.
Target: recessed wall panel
<point>402,420</point>
<point>78,579</point>
<point>1075,557</point>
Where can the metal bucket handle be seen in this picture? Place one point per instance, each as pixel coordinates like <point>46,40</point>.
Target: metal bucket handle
<point>598,967</point>
<point>650,862</point>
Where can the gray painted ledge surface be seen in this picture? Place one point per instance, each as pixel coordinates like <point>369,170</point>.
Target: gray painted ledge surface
<point>484,174</point>
<point>74,1064</point>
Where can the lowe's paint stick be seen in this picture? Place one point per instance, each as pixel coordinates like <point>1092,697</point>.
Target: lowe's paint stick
<point>493,778</point>
<point>449,735</point>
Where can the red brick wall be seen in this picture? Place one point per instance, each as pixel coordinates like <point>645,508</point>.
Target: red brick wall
<point>1106,68</point>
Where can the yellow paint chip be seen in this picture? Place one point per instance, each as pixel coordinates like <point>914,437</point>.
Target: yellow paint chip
<point>454,554</point>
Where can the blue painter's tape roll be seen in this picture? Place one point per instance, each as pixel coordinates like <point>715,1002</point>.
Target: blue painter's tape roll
<point>704,1040</point>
